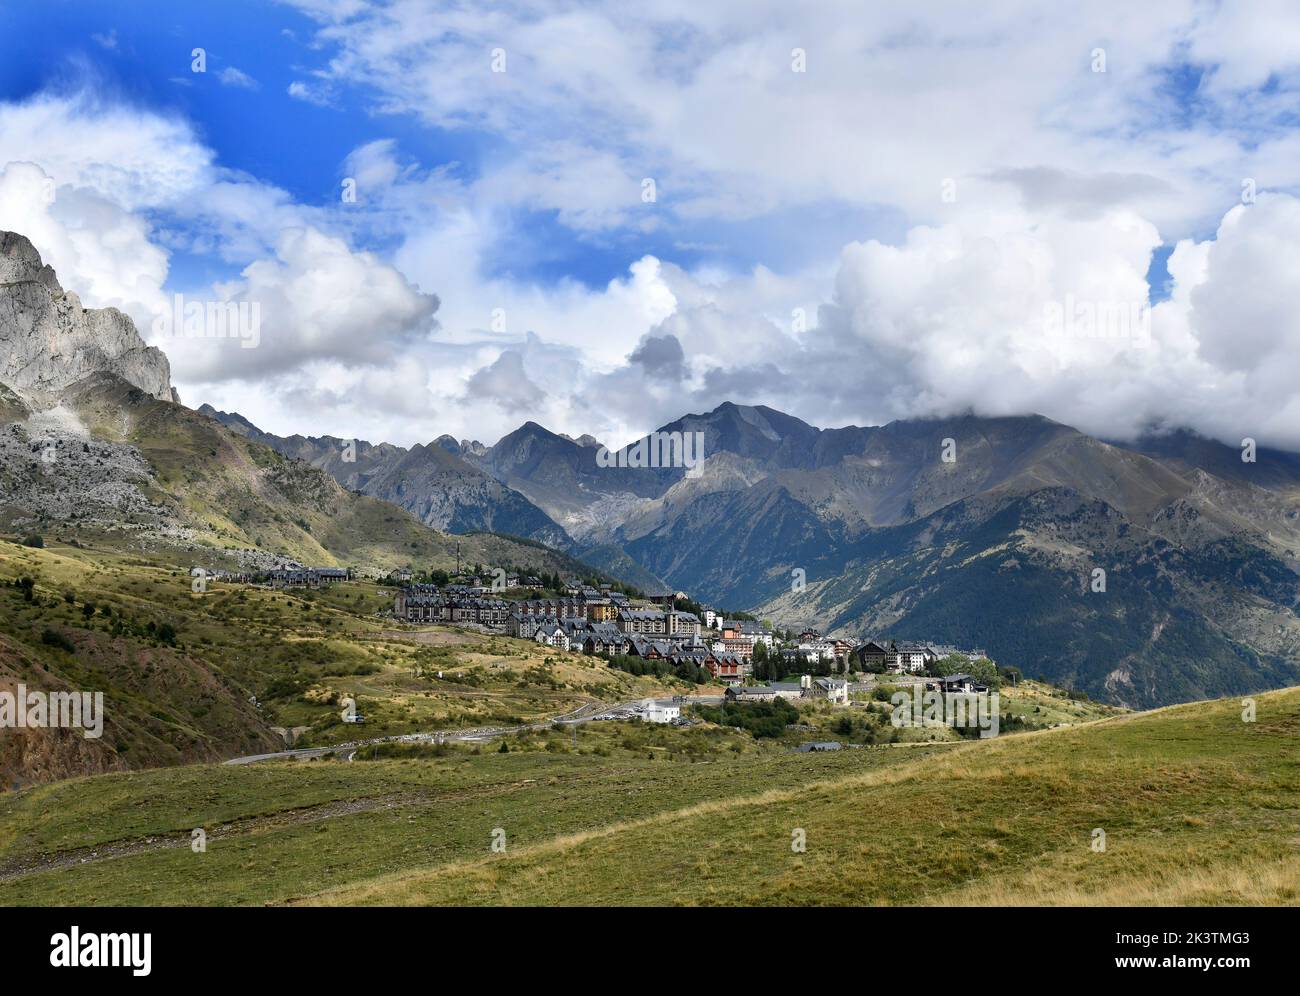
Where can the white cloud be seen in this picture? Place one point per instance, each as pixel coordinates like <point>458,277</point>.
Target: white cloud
<point>310,93</point>
<point>235,77</point>
<point>99,251</point>
<point>894,100</point>
<point>1065,182</point>
<point>137,159</point>
<point>318,301</point>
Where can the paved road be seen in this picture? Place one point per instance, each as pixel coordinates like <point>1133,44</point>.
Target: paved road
<point>583,714</point>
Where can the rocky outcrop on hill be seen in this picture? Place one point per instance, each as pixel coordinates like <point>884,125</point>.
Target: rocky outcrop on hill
<point>48,341</point>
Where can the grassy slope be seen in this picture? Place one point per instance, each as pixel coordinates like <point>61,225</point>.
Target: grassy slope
<point>296,652</point>
<point>1198,806</point>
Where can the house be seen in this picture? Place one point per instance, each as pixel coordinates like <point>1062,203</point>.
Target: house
<point>604,638</point>
<point>660,712</point>
<point>683,623</point>
<point>833,690</point>
<point>872,656</point>
<point>552,634</point>
<point>648,622</point>
<point>964,683</point>
<point>909,658</point>
<point>763,693</point>
<point>755,634</point>
<point>651,650</point>
<point>817,651</point>
<point>728,668</point>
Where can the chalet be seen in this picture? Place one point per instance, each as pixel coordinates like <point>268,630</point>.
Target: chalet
<point>307,577</point>
<point>872,656</point>
<point>292,577</point>
<point>833,690</point>
<point>651,650</point>
<point>728,668</point>
<point>552,634</point>
<point>604,638</point>
<point>909,658</point>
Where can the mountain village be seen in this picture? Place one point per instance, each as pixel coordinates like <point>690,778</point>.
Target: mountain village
<point>597,620</point>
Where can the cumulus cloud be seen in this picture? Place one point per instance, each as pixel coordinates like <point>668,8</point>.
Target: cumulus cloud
<point>660,356</point>
<point>317,300</point>
<point>1025,290</point>
<point>893,100</point>
<point>505,382</point>
<point>100,251</point>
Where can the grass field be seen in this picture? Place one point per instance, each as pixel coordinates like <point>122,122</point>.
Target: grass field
<point>205,676</point>
<point>1197,807</point>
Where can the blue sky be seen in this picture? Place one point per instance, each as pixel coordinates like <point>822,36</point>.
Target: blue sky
<point>140,52</point>
<point>860,214</point>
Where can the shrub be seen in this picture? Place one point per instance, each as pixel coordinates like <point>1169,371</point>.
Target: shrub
<point>34,540</point>
<point>53,638</point>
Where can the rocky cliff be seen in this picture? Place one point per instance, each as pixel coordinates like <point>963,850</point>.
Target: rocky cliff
<point>48,341</point>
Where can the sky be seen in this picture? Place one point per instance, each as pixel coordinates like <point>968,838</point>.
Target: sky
<point>453,218</point>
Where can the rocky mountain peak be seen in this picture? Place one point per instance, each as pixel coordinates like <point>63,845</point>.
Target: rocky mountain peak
<point>48,341</point>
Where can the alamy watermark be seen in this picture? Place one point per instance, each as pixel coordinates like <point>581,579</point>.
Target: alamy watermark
<point>36,710</point>
<point>960,710</point>
<point>659,449</point>
<point>240,320</point>
<point>1107,321</point>
<point>95,950</point>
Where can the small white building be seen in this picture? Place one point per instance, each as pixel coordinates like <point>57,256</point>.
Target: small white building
<point>659,712</point>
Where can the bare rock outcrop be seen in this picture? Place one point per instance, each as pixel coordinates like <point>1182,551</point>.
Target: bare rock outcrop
<point>48,341</point>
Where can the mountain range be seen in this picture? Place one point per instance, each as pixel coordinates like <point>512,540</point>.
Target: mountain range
<point>1144,572</point>
<point>870,531</point>
<point>93,435</point>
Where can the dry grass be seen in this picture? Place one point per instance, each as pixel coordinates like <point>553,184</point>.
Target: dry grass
<point>1198,808</point>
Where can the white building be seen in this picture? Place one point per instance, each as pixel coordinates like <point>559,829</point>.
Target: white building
<point>821,651</point>
<point>658,712</point>
<point>552,636</point>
